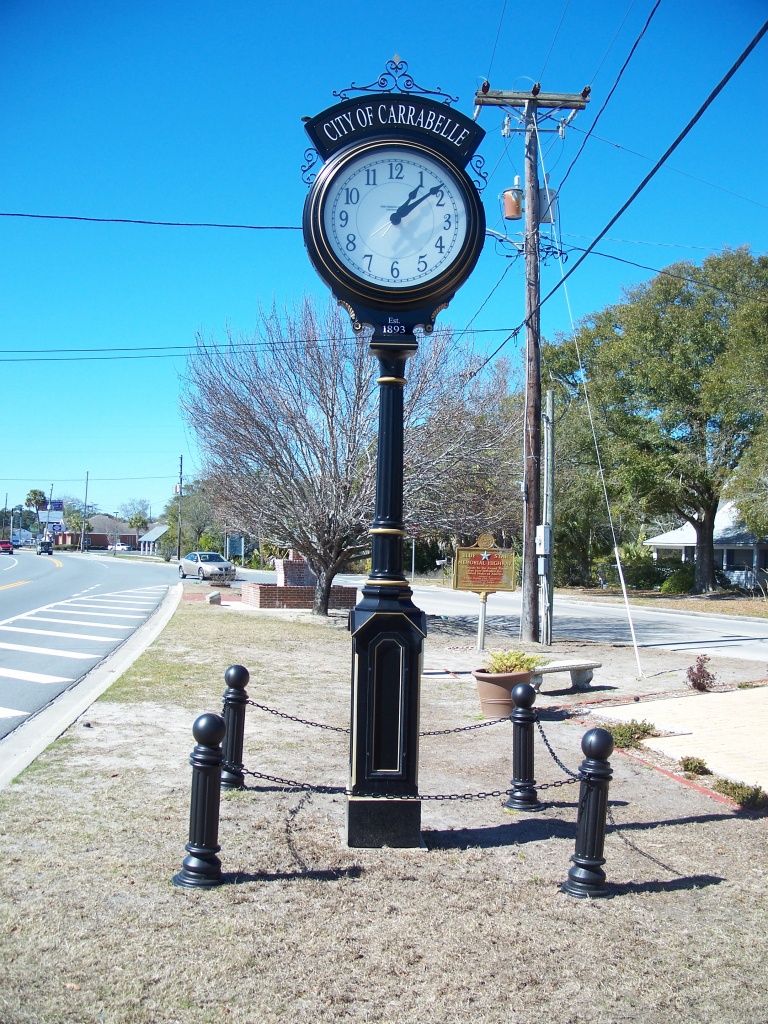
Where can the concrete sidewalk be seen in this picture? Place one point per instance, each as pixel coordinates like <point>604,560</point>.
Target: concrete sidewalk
<point>727,730</point>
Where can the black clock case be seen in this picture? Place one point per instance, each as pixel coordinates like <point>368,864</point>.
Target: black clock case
<point>364,295</point>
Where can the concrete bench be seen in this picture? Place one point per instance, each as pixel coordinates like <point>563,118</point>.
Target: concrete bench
<point>581,672</point>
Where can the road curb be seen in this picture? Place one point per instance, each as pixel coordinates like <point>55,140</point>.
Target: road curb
<point>20,748</point>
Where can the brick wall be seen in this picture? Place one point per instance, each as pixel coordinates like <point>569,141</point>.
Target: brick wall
<point>293,571</point>
<point>267,595</point>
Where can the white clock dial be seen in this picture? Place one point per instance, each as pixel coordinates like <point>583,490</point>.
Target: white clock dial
<point>395,217</point>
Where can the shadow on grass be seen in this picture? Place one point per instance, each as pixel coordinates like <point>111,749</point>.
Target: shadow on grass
<point>308,874</point>
<point>537,829</point>
<point>673,885</point>
<point>647,826</point>
<point>529,830</point>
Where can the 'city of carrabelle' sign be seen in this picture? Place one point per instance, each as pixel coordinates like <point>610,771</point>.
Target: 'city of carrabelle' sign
<point>484,568</point>
<point>446,130</point>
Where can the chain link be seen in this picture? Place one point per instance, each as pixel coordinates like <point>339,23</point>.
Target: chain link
<point>482,795</point>
<point>340,728</point>
<point>300,721</point>
<point>574,775</point>
<point>557,783</point>
<point>310,787</point>
<point>464,728</point>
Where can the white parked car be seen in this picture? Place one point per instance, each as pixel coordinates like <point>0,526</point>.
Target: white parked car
<point>119,547</point>
<point>206,565</point>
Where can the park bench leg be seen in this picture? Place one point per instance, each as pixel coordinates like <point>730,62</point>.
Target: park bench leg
<point>581,678</point>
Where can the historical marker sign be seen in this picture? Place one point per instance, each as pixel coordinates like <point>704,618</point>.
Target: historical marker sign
<point>484,568</point>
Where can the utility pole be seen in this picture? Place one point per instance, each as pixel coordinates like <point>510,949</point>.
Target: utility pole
<point>531,102</point>
<point>547,576</point>
<point>85,513</point>
<point>178,537</point>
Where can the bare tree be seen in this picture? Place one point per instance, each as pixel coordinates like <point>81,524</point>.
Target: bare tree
<point>288,421</point>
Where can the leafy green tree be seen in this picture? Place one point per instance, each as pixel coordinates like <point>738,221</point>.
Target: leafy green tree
<point>138,522</point>
<point>666,376</point>
<point>73,514</point>
<point>198,515</point>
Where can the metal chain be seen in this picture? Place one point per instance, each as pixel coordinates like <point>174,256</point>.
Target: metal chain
<point>574,775</point>
<point>557,783</point>
<point>464,728</point>
<point>300,721</point>
<point>339,728</point>
<point>309,787</point>
<point>289,783</point>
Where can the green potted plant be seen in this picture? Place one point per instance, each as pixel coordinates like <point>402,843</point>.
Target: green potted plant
<point>502,672</point>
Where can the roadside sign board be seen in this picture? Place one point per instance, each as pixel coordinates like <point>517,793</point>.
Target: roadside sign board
<point>484,568</point>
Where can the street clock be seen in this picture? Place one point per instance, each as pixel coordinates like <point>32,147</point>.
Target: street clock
<point>393,223</point>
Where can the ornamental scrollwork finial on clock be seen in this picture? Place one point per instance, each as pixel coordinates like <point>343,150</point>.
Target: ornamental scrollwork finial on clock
<point>395,78</point>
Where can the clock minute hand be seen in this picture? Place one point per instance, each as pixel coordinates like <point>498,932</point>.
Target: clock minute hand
<point>411,204</point>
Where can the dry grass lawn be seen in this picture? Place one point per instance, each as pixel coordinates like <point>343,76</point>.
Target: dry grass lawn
<point>472,928</point>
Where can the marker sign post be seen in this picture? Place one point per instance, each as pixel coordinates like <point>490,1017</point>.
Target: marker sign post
<point>484,568</point>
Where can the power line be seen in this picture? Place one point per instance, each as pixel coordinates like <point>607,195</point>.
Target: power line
<point>496,40</point>
<point>687,174</point>
<point>659,163</point>
<point>153,223</point>
<point>610,45</point>
<point>554,38</point>
<point>611,91</point>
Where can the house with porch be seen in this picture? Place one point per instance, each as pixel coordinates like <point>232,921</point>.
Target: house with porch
<point>742,556</point>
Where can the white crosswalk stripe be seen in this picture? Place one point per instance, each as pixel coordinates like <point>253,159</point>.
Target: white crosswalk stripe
<point>12,713</point>
<point>74,622</point>
<point>52,652</point>
<point>32,677</point>
<point>52,632</point>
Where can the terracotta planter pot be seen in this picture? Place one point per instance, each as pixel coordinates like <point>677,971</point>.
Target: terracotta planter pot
<point>495,691</point>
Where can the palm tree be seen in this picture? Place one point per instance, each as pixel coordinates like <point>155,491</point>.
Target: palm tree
<point>36,499</point>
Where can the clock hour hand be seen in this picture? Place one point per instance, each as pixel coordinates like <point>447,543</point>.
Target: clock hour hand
<point>411,203</point>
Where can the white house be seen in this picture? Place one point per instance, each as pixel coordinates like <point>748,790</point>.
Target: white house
<point>742,556</point>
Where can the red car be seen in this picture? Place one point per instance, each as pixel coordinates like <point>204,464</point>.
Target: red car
<point>6,547</point>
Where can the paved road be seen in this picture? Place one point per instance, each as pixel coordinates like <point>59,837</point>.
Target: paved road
<point>62,615</point>
<point>605,622</point>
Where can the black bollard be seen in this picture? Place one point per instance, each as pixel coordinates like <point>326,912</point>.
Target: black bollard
<point>586,877</point>
<point>523,796</point>
<point>235,705</point>
<point>201,868</point>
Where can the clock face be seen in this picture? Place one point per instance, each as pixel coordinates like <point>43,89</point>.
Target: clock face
<point>395,217</point>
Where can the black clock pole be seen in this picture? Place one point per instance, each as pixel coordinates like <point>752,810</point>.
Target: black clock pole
<point>388,630</point>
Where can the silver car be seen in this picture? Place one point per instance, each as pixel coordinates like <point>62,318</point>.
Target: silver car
<point>206,565</point>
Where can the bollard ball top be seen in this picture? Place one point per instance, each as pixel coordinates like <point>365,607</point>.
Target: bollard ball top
<point>209,729</point>
<point>597,744</point>
<point>237,677</point>
<point>523,695</point>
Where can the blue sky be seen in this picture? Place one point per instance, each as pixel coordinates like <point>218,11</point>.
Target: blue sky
<point>191,112</point>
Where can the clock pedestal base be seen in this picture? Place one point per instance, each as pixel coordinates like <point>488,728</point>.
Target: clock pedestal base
<point>372,824</point>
